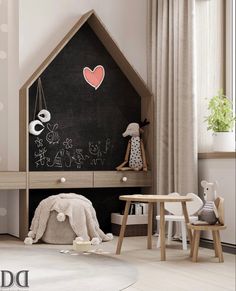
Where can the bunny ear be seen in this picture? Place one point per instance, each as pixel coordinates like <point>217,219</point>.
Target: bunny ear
<point>49,127</point>
<point>216,185</point>
<point>216,188</point>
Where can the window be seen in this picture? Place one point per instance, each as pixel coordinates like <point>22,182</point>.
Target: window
<point>230,49</point>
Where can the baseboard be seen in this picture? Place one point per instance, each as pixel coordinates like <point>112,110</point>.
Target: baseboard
<point>8,235</point>
<point>227,248</point>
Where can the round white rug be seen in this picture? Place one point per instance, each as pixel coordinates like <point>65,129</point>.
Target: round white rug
<point>50,270</point>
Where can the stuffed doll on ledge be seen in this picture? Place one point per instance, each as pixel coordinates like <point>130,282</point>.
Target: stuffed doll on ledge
<point>135,153</point>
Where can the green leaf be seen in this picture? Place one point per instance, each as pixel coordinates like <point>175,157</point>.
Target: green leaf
<point>221,113</point>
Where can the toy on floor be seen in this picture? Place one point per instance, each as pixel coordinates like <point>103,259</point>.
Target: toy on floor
<point>135,152</point>
<point>81,245</point>
<point>209,213</point>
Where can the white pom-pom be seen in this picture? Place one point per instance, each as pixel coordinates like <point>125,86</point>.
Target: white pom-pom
<point>110,236</point>
<point>95,241</point>
<point>31,234</point>
<point>79,238</point>
<point>28,241</point>
<point>61,217</point>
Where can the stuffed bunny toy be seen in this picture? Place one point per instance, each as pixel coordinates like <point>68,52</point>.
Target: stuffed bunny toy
<point>209,214</point>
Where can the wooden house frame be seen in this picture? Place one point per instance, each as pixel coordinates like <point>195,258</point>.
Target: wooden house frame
<point>84,179</point>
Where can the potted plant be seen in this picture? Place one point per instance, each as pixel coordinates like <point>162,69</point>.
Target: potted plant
<point>221,121</point>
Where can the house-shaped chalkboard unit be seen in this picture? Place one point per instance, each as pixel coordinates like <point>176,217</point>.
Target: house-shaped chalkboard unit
<point>92,94</point>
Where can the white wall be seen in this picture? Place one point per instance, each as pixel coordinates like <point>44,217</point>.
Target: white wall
<point>223,171</point>
<point>42,24</point>
<point>3,105</point>
<point>9,76</point>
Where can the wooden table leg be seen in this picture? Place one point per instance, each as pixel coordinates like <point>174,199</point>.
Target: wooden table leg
<point>185,213</point>
<point>162,231</point>
<point>150,215</point>
<point>123,226</point>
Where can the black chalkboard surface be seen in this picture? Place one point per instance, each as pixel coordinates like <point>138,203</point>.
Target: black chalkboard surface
<point>85,130</point>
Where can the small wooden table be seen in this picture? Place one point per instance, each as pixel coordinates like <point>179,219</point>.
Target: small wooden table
<point>151,200</point>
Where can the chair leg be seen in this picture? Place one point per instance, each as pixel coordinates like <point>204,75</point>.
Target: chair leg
<point>183,231</point>
<point>196,245</point>
<point>215,242</point>
<point>158,242</point>
<point>169,236</point>
<point>219,247</point>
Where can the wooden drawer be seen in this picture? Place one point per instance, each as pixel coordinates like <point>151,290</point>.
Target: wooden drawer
<point>122,179</point>
<point>12,180</point>
<point>44,180</point>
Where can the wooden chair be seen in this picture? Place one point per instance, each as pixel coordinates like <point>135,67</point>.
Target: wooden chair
<point>176,215</point>
<point>215,229</point>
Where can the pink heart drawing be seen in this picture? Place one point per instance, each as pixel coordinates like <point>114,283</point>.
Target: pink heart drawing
<point>94,77</point>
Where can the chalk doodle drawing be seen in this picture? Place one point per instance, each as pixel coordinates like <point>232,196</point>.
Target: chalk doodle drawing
<point>40,157</point>
<point>67,159</point>
<point>68,143</point>
<point>52,136</point>
<point>39,142</point>
<point>108,145</point>
<point>57,160</point>
<point>96,150</point>
<point>79,158</point>
<point>63,153</point>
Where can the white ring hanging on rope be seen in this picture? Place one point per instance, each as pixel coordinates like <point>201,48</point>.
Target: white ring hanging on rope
<point>44,115</point>
<point>32,127</point>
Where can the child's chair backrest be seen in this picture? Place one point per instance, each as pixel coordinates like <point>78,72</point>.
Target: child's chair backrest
<point>193,206</point>
<point>219,202</point>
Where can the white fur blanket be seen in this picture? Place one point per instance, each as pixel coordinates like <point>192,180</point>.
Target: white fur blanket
<point>80,211</point>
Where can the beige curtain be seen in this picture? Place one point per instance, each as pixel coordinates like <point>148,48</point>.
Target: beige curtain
<point>171,78</point>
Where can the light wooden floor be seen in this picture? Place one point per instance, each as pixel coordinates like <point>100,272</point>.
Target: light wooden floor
<point>177,273</point>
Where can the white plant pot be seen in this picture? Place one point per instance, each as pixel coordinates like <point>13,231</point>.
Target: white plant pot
<point>224,141</point>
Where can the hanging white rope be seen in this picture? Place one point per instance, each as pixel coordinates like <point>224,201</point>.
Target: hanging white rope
<point>44,115</point>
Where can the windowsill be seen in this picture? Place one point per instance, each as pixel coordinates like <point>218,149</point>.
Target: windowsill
<point>217,155</point>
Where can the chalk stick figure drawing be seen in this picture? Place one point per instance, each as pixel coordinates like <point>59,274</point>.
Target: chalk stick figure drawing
<point>97,153</point>
<point>108,146</point>
<point>67,159</point>
<point>57,161</point>
<point>41,158</point>
<point>39,142</point>
<point>68,143</point>
<point>78,158</point>
<point>52,136</point>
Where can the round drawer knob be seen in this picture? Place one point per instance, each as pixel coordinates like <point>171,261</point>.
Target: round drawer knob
<point>124,179</point>
<point>63,180</point>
